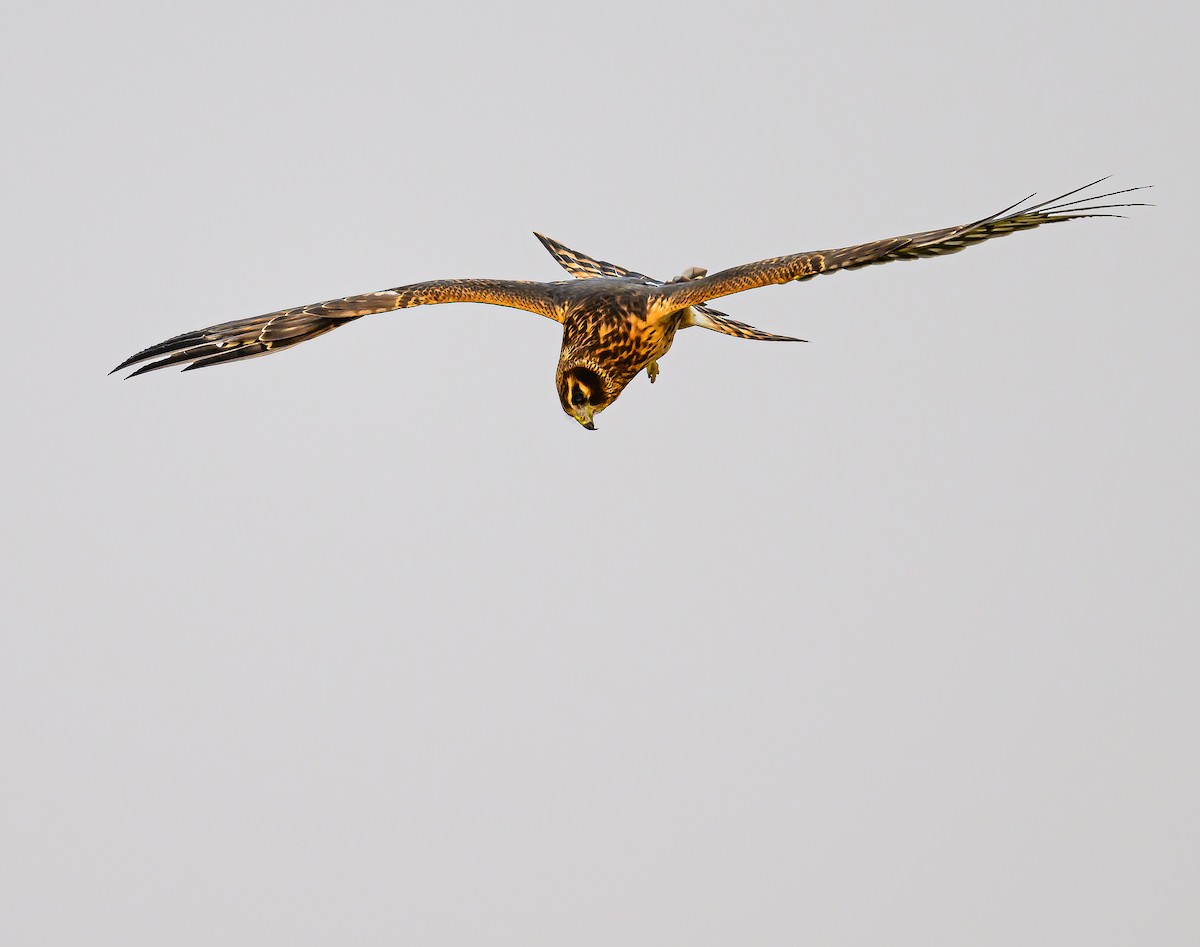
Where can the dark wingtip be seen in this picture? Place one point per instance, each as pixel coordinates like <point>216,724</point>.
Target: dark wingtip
<point>132,360</point>
<point>171,345</point>
<point>141,371</point>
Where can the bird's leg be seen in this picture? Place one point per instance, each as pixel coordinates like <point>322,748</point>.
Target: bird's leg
<point>692,272</point>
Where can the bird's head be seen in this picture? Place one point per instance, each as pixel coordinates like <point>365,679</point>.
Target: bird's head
<point>584,393</point>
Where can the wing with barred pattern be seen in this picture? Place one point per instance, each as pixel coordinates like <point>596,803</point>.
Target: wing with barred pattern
<point>915,246</point>
<point>275,331</point>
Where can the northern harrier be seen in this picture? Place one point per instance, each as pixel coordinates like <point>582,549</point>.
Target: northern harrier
<point>616,322</point>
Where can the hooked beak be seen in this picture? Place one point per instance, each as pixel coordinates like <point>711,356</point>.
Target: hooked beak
<point>590,426</point>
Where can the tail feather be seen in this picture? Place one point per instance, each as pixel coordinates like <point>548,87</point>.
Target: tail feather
<point>719,322</point>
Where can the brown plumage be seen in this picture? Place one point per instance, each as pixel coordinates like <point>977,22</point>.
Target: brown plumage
<point>616,322</point>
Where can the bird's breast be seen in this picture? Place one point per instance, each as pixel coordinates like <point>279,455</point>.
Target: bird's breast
<point>618,335</point>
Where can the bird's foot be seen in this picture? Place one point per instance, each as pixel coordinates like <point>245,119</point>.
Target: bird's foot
<point>691,273</point>
<point>652,371</point>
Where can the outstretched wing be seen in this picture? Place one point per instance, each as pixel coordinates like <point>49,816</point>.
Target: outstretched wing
<point>582,266</point>
<point>275,331</point>
<point>915,246</point>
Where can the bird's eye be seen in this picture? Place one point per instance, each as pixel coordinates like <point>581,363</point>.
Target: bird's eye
<point>578,396</point>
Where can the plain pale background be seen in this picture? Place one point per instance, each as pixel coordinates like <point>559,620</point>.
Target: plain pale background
<point>886,639</point>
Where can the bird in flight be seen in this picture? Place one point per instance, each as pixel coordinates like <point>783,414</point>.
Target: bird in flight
<point>616,322</point>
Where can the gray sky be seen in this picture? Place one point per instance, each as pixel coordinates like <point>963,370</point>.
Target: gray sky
<point>886,639</point>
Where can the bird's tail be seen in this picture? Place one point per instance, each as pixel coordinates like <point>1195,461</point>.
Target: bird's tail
<point>719,322</point>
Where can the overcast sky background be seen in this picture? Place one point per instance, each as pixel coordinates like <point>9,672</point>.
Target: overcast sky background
<point>886,639</point>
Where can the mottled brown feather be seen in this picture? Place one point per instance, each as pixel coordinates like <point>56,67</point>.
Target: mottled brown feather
<point>582,266</point>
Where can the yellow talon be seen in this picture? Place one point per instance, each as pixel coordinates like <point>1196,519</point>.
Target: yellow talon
<point>652,371</point>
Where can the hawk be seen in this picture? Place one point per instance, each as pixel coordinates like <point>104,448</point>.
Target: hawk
<point>615,322</point>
